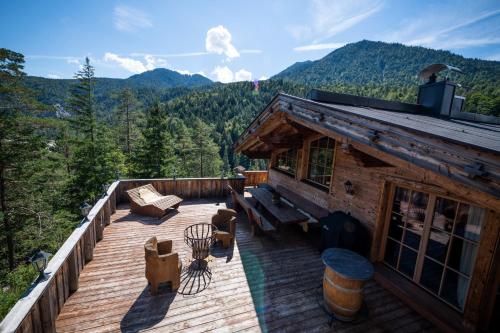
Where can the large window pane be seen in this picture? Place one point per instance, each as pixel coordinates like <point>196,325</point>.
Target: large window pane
<point>455,288</point>
<point>437,246</point>
<point>401,200</point>
<point>462,255</point>
<point>412,237</point>
<point>444,214</point>
<point>431,275</point>
<point>407,261</point>
<point>320,161</point>
<point>287,161</point>
<point>469,222</point>
<point>396,226</point>
<point>392,252</point>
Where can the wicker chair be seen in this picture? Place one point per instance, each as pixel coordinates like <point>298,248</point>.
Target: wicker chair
<point>161,264</point>
<point>145,200</point>
<point>225,221</point>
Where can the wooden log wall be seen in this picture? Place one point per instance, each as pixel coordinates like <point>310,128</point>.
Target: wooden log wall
<point>186,188</point>
<point>37,312</point>
<point>254,178</point>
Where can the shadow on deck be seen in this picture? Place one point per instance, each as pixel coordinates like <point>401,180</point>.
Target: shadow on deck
<point>264,283</point>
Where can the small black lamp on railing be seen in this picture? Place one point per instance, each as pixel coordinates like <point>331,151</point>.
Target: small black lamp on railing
<point>349,188</point>
<point>105,188</point>
<point>118,174</point>
<point>85,209</point>
<point>39,261</point>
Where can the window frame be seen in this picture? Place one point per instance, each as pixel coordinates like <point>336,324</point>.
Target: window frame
<point>422,250</point>
<point>306,174</point>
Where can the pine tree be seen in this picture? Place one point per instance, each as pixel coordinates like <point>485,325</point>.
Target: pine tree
<point>126,113</point>
<point>206,150</point>
<point>19,148</point>
<point>94,162</point>
<point>155,155</point>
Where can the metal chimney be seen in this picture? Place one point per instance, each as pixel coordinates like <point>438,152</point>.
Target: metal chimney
<point>438,97</point>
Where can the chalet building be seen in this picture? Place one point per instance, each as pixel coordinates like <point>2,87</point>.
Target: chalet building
<point>423,178</point>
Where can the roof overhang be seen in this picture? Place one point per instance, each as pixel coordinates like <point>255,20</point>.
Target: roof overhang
<point>474,166</point>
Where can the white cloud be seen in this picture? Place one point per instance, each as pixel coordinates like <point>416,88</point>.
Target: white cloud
<point>315,47</point>
<point>126,18</point>
<point>263,78</point>
<point>53,76</point>
<point>218,41</point>
<point>131,65</point>
<point>223,74</point>
<point>329,18</point>
<point>243,75</point>
<point>136,66</point>
<point>184,71</point>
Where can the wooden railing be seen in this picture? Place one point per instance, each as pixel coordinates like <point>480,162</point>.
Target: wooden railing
<point>254,178</point>
<point>38,309</point>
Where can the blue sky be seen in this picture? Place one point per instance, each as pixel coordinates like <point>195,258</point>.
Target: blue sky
<point>232,40</point>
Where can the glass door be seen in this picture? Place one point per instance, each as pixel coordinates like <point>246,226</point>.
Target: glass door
<point>433,241</point>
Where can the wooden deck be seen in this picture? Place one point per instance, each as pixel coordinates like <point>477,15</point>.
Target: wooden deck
<point>261,284</point>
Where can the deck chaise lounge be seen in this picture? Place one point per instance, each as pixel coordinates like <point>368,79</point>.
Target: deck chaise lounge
<point>146,200</point>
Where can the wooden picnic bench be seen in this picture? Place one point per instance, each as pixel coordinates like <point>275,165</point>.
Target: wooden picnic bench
<point>283,213</point>
<point>302,203</point>
<point>254,216</point>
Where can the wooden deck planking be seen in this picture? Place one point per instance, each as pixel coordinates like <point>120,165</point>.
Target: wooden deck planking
<point>262,283</point>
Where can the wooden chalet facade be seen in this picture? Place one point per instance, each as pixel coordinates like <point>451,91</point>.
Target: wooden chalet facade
<point>426,188</point>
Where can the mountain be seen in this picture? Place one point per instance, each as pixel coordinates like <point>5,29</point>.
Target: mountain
<point>157,81</point>
<point>165,78</point>
<point>377,63</point>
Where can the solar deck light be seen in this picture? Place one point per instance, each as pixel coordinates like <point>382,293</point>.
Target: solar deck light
<point>39,261</point>
<point>349,188</point>
<point>117,174</point>
<point>85,209</point>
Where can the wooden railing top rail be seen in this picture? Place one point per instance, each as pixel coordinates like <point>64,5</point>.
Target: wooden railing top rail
<point>22,308</point>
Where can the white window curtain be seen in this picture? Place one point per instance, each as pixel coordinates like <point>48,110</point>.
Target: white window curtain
<point>472,230</point>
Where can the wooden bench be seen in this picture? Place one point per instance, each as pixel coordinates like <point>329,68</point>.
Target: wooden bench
<point>302,203</point>
<point>254,216</point>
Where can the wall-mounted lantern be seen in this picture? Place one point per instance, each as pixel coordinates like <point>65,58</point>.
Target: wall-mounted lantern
<point>39,261</point>
<point>349,188</point>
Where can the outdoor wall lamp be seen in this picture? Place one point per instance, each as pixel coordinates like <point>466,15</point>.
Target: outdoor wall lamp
<point>349,188</point>
<point>85,209</point>
<point>39,261</point>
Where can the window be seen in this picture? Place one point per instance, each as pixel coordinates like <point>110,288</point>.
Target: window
<point>320,167</point>
<point>287,161</point>
<point>433,241</point>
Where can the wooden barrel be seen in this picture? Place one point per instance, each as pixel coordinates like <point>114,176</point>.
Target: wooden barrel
<point>345,275</point>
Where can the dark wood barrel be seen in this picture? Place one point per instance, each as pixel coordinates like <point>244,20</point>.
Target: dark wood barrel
<point>345,275</point>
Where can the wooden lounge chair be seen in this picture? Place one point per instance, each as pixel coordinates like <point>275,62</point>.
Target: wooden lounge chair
<point>225,221</point>
<point>161,264</point>
<point>145,200</point>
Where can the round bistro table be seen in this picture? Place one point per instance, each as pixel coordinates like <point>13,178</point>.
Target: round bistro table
<point>345,275</point>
